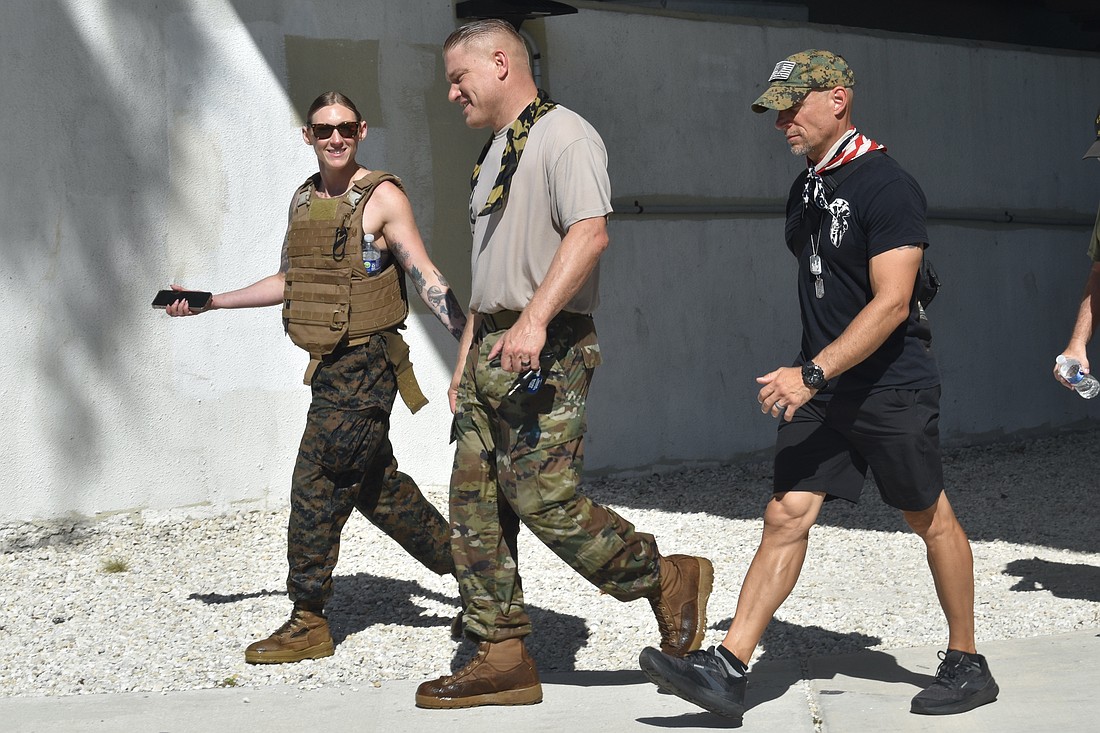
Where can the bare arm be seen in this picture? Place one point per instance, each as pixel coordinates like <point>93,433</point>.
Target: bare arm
<point>268,291</point>
<point>1087,317</point>
<point>464,345</point>
<point>574,261</point>
<point>389,211</point>
<point>893,275</point>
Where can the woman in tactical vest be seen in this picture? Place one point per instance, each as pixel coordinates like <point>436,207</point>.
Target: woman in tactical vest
<point>350,241</point>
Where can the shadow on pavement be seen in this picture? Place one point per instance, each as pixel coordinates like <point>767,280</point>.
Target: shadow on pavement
<point>1062,580</point>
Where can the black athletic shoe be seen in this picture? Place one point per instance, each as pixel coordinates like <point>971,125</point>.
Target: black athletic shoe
<point>700,677</point>
<point>963,682</point>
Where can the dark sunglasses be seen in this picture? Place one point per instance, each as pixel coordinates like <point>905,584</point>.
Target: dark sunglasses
<point>322,131</point>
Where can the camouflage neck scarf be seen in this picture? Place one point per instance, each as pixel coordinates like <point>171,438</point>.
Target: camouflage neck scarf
<point>513,149</point>
<point>845,150</point>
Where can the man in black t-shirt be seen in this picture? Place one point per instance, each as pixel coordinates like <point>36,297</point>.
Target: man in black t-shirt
<point>863,393</point>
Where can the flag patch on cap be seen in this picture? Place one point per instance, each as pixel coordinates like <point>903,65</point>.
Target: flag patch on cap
<point>782,71</point>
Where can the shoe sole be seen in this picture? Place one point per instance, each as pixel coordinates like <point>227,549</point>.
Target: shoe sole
<point>651,665</point>
<point>317,651</point>
<point>982,697</point>
<point>525,696</point>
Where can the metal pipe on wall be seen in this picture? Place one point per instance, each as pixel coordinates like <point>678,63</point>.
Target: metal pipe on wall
<point>536,57</point>
<point>636,207</point>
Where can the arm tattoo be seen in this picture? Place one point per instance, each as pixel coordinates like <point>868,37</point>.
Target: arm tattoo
<point>417,278</point>
<point>438,299</point>
<point>446,308</point>
<point>400,253</point>
<point>403,257</point>
<point>441,301</point>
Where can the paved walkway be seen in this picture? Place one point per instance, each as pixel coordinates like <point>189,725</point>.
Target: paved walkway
<point>1047,684</point>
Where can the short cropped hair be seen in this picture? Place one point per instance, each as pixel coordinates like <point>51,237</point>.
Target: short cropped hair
<point>480,30</point>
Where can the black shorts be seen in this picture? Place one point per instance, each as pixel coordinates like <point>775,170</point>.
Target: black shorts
<point>829,445</point>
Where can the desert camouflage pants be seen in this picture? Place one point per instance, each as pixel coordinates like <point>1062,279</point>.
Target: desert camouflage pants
<point>519,459</point>
<point>345,461</point>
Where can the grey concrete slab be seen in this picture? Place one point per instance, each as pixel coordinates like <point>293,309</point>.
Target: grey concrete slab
<point>1046,683</point>
<point>602,701</point>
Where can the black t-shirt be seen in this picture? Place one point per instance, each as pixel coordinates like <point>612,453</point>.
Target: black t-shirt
<point>878,207</point>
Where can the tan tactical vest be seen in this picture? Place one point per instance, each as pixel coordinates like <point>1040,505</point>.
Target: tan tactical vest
<point>329,300</point>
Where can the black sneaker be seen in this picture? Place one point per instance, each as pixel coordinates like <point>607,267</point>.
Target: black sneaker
<point>704,678</point>
<point>963,682</point>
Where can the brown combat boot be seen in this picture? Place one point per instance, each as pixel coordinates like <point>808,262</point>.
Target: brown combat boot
<point>304,636</point>
<point>681,604</point>
<point>502,673</point>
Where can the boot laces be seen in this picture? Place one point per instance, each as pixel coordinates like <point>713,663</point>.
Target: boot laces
<point>482,653</point>
<point>665,623</point>
<point>291,623</point>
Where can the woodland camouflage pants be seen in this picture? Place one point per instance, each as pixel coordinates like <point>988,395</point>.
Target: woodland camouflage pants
<point>346,461</point>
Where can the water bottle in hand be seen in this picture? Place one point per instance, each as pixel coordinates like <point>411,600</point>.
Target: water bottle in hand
<point>1086,385</point>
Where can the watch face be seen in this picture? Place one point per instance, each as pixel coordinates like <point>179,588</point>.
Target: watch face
<point>813,376</point>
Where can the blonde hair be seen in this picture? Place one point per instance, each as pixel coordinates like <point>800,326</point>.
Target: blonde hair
<point>483,32</point>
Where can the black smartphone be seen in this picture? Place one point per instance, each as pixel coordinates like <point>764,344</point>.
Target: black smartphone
<point>196,299</point>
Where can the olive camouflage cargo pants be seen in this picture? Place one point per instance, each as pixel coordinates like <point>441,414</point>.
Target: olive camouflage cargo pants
<point>519,458</point>
<point>345,461</point>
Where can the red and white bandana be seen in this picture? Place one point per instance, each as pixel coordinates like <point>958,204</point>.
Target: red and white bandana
<point>847,149</point>
<point>844,150</point>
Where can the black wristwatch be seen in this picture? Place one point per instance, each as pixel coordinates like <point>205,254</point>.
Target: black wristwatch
<point>813,376</point>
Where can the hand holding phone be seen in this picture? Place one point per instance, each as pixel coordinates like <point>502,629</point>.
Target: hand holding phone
<point>530,380</point>
<point>197,300</point>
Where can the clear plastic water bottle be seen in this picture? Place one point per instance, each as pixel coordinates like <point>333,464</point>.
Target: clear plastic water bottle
<point>1086,385</point>
<point>372,258</point>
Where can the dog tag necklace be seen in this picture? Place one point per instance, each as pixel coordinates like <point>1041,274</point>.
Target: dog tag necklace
<point>815,266</point>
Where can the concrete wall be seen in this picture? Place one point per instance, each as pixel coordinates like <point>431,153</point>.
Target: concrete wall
<point>150,143</point>
<point>696,307</point>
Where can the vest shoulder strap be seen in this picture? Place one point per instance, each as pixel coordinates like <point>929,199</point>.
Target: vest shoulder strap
<point>362,188</point>
<point>300,207</point>
<point>357,196</point>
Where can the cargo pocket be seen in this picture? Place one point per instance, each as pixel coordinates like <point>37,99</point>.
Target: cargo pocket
<point>343,440</point>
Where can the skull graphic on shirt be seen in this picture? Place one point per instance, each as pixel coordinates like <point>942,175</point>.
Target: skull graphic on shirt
<point>840,210</point>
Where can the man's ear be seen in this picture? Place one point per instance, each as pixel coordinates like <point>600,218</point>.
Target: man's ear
<point>501,63</point>
<point>841,99</point>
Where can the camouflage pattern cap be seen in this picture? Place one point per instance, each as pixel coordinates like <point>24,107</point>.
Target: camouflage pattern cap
<point>797,75</point>
<point>1094,150</point>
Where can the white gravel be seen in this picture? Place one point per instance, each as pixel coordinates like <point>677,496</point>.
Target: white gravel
<point>198,589</point>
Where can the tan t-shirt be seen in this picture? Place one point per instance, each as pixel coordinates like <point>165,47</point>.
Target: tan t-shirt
<point>561,179</point>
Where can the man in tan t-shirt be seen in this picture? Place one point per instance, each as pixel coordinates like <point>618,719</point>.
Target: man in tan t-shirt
<point>538,214</point>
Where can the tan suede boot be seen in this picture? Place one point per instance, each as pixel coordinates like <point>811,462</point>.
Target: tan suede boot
<point>502,673</point>
<point>304,636</point>
<point>681,605</point>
